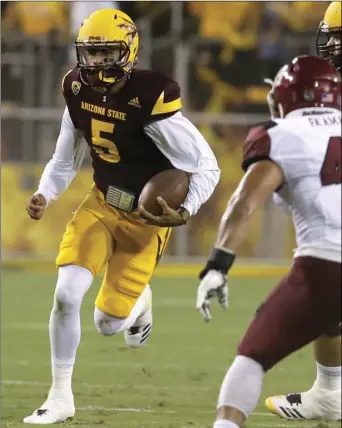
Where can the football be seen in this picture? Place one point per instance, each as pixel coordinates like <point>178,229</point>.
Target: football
<point>172,185</point>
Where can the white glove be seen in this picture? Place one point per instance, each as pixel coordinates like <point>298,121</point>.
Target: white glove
<point>213,284</point>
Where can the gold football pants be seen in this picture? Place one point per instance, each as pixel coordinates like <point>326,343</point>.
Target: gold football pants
<point>100,235</point>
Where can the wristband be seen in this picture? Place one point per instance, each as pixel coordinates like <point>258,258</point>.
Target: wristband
<point>184,213</point>
<point>219,260</point>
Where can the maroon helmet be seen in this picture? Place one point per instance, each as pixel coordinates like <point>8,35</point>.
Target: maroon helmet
<point>308,81</point>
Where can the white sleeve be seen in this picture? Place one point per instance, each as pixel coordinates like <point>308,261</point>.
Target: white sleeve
<point>182,143</point>
<point>67,159</point>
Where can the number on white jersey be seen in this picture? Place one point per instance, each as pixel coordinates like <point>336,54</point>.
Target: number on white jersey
<point>331,169</point>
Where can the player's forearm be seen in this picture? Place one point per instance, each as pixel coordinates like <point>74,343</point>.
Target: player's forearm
<point>67,159</point>
<point>232,231</point>
<point>181,142</point>
<point>56,178</point>
<point>202,186</point>
<point>235,223</point>
<point>257,185</point>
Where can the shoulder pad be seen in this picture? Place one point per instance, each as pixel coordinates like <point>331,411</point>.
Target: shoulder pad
<point>71,82</point>
<point>160,95</point>
<point>267,124</point>
<point>169,99</point>
<point>257,145</point>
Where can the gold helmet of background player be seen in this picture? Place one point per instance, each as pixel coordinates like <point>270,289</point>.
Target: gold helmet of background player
<point>328,41</point>
<point>107,48</point>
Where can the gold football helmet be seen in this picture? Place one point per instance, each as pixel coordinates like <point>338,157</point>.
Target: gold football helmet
<point>107,48</point>
<point>328,41</point>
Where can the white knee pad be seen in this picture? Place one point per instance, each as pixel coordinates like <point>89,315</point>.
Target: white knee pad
<point>107,325</point>
<point>72,284</point>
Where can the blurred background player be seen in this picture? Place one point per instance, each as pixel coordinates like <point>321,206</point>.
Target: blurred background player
<point>296,157</point>
<point>130,120</point>
<point>323,400</point>
<point>329,35</point>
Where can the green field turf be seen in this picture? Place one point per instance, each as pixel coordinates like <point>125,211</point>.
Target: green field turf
<point>172,382</point>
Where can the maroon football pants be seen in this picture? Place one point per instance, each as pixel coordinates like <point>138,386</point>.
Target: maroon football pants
<point>305,304</point>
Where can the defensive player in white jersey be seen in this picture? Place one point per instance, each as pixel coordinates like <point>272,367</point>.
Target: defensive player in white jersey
<point>296,157</point>
<point>323,399</point>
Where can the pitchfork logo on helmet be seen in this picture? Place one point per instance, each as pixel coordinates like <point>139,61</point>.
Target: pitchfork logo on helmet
<point>107,48</point>
<point>308,81</point>
<point>328,40</point>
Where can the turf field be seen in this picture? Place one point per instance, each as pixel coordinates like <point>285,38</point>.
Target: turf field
<point>171,383</point>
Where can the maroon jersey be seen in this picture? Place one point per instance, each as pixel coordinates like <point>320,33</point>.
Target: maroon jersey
<point>113,126</point>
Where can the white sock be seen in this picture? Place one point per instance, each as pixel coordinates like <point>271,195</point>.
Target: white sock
<point>328,378</point>
<point>241,387</point>
<point>61,383</point>
<point>222,423</point>
<point>65,326</point>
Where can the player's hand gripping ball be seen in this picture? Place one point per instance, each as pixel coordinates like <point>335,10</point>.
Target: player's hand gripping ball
<point>161,199</point>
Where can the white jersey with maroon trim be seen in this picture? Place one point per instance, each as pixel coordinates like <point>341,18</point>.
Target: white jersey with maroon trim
<point>307,147</point>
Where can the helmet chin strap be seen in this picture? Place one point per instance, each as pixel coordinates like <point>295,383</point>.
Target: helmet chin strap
<point>106,79</point>
<point>281,111</point>
<point>112,86</point>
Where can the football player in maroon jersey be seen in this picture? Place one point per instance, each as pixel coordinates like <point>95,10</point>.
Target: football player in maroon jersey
<point>131,122</point>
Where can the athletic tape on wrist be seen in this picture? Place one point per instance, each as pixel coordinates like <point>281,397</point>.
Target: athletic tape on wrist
<point>222,259</point>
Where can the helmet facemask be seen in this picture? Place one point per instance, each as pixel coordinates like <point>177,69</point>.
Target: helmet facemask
<point>103,65</point>
<point>328,44</point>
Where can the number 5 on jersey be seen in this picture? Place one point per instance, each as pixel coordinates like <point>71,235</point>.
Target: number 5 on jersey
<point>104,148</point>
